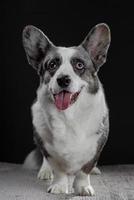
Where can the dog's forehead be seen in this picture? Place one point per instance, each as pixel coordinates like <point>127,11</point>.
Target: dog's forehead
<point>66,52</point>
<point>69,52</point>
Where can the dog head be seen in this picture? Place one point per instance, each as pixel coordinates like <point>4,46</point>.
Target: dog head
<point>64,71</point>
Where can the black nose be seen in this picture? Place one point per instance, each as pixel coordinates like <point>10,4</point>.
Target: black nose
<point>64,81</point>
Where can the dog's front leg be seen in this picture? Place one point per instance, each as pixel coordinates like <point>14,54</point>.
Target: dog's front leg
<point>82,185</point>
<point>60,182</point>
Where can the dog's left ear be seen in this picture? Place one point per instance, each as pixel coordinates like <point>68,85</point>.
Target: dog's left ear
<point>97,43</point>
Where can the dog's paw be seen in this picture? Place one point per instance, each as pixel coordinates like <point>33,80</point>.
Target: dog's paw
<point>85,191</point>
<point>45,174</point>
<point>58,188</point>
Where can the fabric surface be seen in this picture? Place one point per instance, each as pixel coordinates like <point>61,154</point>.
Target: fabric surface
<point>115,183</point>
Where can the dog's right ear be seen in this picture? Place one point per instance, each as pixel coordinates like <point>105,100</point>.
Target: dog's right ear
<point>97,43</point>
<point>36,45</point>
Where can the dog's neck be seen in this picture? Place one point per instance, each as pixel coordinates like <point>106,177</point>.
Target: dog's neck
<point>88,103</point>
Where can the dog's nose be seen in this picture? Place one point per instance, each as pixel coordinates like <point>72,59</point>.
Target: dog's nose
<point>64,81</point>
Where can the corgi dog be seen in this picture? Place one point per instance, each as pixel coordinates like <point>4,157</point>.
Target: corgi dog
<point>70,114</point>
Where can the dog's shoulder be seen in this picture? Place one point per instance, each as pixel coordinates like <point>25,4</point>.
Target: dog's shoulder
<point>38,117</point>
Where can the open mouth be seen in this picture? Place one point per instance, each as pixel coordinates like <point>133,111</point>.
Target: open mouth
<point>64,99</point>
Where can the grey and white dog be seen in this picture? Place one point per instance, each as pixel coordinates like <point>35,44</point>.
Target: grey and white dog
<point>70,114</point>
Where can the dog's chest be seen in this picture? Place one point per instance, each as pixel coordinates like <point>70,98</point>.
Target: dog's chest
<point>69,137</point>
<point>74,141</point>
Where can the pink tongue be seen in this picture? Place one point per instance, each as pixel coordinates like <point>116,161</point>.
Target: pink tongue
<point>63,100</point>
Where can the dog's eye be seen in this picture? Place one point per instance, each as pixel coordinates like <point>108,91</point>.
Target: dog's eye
<point>53,65</point>
<point>79,66</point>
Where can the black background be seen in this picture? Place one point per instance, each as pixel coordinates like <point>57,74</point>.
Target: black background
<point>66,23</point>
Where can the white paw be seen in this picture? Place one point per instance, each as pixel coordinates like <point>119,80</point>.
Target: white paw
<point>45,174</point>
<point>58,188</point>
<point>85,191</point>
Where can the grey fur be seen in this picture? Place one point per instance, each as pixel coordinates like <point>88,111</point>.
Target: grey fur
<point>40,145</point>
<point>89,74</point>
<point>36,44</point>
<point>97,43</point>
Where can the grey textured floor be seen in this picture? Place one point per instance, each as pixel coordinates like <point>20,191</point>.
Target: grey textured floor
<point>115,183</point>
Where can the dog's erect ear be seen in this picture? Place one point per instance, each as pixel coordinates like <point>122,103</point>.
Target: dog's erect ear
<point>97,43</point>
<point>36,44</point>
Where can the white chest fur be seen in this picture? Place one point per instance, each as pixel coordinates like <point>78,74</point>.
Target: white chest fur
<point>73,141</point>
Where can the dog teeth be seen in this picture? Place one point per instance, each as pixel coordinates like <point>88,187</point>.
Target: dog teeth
<point>71,96</point>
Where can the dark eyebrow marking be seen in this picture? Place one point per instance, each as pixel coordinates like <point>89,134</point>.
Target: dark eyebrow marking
<point>77,59</point>
<point>51,56</point>
<point>56,58</point>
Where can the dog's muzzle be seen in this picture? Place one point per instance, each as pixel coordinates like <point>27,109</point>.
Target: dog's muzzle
<point>64,97</point>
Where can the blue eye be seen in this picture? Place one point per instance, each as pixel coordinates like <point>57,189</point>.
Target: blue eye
<point>79,65</point>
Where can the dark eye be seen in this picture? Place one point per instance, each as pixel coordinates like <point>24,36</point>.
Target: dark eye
<point>79,65</point>
<point>52,65</point>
